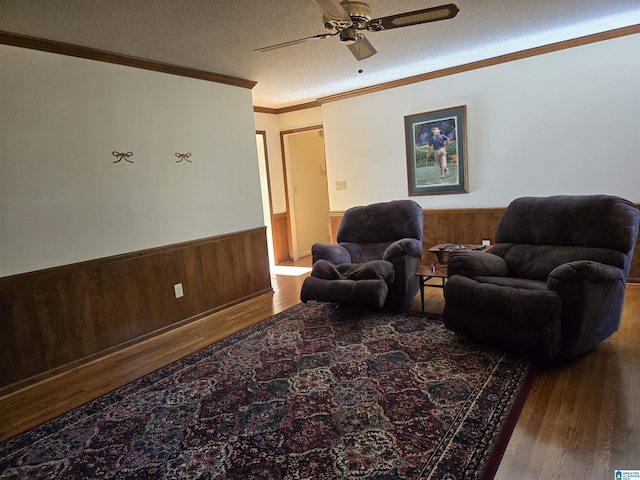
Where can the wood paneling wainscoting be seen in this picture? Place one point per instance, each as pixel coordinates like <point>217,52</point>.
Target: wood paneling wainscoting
<point>466,225</point>
<point>56,319</point>
<point>282,242</point>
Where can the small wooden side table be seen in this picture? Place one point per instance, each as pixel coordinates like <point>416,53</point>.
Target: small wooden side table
<point>446,248</point>
<point>437,270</point>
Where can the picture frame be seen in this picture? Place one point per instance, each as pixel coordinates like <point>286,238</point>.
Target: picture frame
<point>436,145</point>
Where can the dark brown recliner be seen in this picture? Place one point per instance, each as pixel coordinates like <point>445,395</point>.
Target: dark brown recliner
<point>553,284</point>
<point>375,261</point>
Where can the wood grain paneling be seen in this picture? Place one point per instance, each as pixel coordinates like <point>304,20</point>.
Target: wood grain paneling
<point>467,225</point>
<point>282,243</point>
<point>57,318</point>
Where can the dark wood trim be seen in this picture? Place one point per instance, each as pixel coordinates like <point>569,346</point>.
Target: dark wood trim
<point>61,48</point>
<point>283,134</point>
<point>272,111</point>
<point>282,238</point>
<point>51,46</point>
<point>280,234</point>
<point>301,130</point>
<point>292,108</point>
<point>511,57</point>
<point>55,319</point>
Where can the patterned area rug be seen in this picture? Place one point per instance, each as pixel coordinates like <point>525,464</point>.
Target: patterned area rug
<point>315,392</point>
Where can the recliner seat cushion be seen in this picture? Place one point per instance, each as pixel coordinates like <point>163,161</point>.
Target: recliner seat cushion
<point>514,282</point>
<point>537,261</point>
<point>528,307</point>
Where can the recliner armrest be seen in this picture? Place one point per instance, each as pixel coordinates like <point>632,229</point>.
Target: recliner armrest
<point>404,246</point>
<point>475,264</point>
<point>335,254</point>
<point>583,271</point>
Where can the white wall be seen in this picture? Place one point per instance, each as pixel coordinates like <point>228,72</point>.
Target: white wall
<point>560,123</point>
<point>62,197</point>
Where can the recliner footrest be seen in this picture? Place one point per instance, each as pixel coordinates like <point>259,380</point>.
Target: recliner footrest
<point>373,270</point>
<point>371,293</point>
<point>356,283</point>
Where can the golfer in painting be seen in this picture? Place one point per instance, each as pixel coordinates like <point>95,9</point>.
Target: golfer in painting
<point>439,142</point>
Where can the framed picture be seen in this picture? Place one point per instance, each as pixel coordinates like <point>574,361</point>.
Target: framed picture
<point>437,152</point>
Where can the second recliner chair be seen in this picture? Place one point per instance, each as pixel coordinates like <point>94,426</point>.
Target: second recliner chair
<point>374,263</point>
<point>553,285</point>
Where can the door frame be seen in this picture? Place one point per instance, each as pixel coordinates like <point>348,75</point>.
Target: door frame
<point>291,215</point>
<point>280,224</point>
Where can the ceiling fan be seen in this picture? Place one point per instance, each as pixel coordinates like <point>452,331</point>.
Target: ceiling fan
<point>346,18</point>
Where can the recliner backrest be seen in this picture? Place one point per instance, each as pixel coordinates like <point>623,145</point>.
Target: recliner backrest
<point>536,234</point>
<point>365,252</point>
<point>381,222</point>
<point>600,221</point>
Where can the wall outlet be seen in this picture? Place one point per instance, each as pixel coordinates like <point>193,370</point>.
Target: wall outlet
<point>341,185</point>
<point>486,243</point>
<point>178,289</point>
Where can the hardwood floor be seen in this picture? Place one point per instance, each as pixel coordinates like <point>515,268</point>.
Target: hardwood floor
<point>580,421</point>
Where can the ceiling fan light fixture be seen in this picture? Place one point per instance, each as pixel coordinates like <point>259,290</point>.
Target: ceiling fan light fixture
<point>349,36</point>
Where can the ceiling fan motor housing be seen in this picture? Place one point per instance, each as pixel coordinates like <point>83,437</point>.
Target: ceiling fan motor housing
<point>359,13</point>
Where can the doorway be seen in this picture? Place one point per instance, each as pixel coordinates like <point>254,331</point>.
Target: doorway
<point>305,162</point>
<point>295,194</point>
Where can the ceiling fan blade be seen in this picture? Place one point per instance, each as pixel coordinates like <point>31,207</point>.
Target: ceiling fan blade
<point>333,10</point>
<point>293,42</point>
<point>416,17</point>
<point>362,48</point>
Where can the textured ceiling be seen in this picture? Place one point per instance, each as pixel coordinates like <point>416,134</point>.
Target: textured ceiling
<point>220,35</point>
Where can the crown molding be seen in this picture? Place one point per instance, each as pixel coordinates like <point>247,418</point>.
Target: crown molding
<point>51,46</point>
<point>511,57</point>
<point>292,108</point>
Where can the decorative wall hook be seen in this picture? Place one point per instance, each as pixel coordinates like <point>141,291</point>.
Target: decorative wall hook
<point>183,156</point>
<point>122,156</point>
